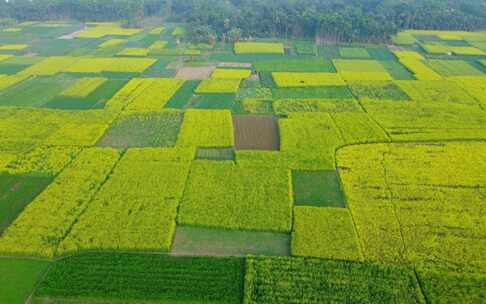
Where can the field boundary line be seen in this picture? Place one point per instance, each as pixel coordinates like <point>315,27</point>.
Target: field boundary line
<point>420,284</point>
<point>355,226</point>
<point>371,117</point>
<point>176,220</point>
<point>40,278</point>
<point>336,164</point>
<point>107,129</point>
<point>339,131</point>
<point>393,205</point>
<point>110,173</point>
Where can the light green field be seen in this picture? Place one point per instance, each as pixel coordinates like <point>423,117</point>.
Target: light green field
<point>19,278</point>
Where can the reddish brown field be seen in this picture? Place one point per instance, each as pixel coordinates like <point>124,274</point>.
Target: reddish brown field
<point>254,132</point>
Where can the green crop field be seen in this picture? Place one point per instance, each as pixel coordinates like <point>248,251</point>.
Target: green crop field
<point>19,278</point>
<point>139,164</point>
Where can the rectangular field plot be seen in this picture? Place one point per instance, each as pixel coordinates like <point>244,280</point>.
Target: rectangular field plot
<point>293,80</point>
<point>380,53</point>
<point>98,65</point>
<point>256,106</point>
<point>213,101</point>
<point>287,106</point>
<point>16,192</point>
<point>156,95</point>
<point>199,241</point>
<point>145,94</point>
<point>139,278</point>
<point>283,280</point>
<point>417,194</point>
<point>310,136</point>
<point>259,48</point>
<point>49,66</point>
<point>256,132</point>
<point>358,66</point>
<point>354,53</point>
<point>449,68</point>
<point>338,92</point>
<point>218,86</point>
<point>435,91</point>
<point>144,130</point>
<point>194,73</point>
<point>304,64</point>
<point>215,153</point>
<point>317,188</point>
<point>221,73</point>
<point>369,76</point>
<point>325,233</point>
<point>206,129</point>
<point>386,90</point>
<point>226,195</point>
<point>136,208</point>
<point>28,127</point>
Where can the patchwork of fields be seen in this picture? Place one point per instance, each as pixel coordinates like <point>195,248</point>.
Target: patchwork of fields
<point>136,167</point>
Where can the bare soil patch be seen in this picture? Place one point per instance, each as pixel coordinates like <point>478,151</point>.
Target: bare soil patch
<point>234,65</point>
<point>254,132</point>
<point>200,241</point>
<point>194,73</point>
<point>73,34</point>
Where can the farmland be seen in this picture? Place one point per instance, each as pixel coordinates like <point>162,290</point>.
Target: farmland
<point>138,166</point>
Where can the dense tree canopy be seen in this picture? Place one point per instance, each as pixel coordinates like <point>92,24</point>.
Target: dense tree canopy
<point>340,20</point>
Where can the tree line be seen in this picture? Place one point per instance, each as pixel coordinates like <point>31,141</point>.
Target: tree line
<point>334,20</point>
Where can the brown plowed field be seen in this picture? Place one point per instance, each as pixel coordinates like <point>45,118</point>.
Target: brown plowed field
<point>254,132</point>
<point>194,73</point>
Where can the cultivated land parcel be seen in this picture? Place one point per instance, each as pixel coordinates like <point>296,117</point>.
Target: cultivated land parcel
<point>136,168</point>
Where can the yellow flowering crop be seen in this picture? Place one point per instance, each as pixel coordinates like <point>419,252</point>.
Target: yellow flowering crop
<point>206,129</point>
<point>140,52</point>
<point>13,47</point>
<point>112,42</point>
<point>83,87</point>
<point>259,48</point>
<point>219,86</point>
<point>98,65</point>
<point>231,74</point>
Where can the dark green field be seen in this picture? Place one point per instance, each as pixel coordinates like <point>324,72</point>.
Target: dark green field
<point>17,192</point>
